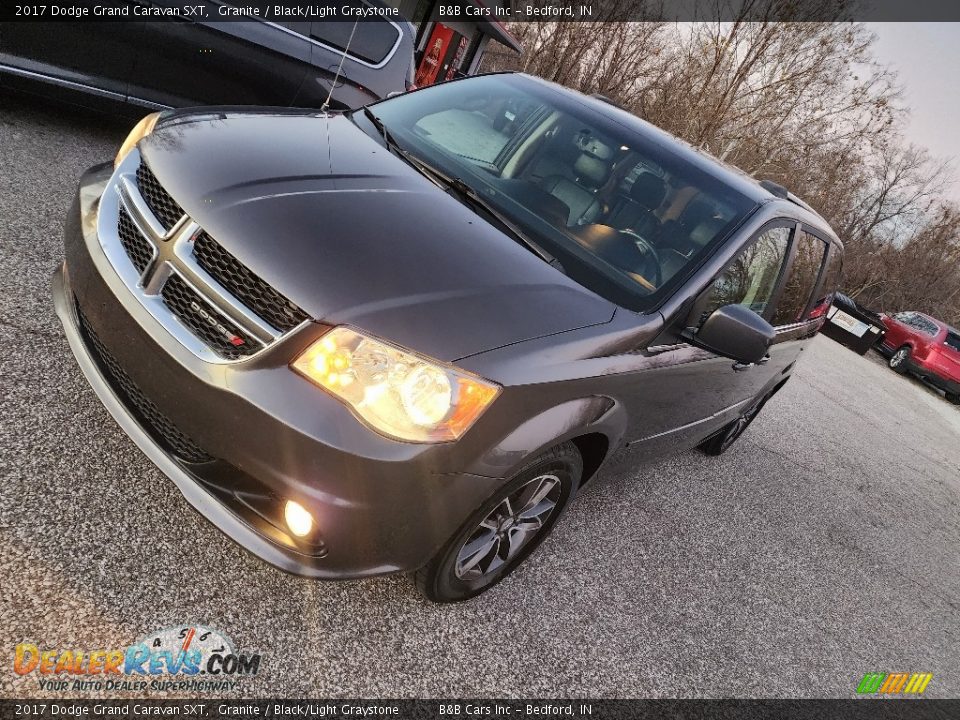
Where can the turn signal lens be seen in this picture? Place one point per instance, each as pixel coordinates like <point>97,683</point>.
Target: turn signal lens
<point>397,393</point>
<point>139,132</point>
<point>298,519</point>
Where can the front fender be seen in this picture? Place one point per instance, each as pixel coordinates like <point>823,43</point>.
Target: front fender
<point>569,420</point>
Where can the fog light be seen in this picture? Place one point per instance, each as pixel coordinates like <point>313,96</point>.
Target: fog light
<point>298,519</point>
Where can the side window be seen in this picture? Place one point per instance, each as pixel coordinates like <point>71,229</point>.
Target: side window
<point>372,41</point>
<point>831,283</point>
<point>831,280</point>
<point>802,279</point>
<point>752,277</point>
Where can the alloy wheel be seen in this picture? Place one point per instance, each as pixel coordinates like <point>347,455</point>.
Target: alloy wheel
<point>898,357</point>
<point>508,528</point>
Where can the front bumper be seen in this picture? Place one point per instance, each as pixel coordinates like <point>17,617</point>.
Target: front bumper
<point>380,506</point>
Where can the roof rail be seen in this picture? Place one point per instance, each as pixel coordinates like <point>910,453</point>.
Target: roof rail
<point>775,189</point>
<point>797,201</point>
<point>780,191</point>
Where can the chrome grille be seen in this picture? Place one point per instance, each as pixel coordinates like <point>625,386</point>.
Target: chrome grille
<point>206,298</point>
<point>151,419</point>
<point>167,210</point>
<point>138,248</point>
<point>245,285</point>
<point>221,335</point>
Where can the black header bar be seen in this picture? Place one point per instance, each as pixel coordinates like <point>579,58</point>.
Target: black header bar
<point>458,709</point>
<point>489,10</point>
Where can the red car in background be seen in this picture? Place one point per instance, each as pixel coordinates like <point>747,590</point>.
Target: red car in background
<point>922,346</point>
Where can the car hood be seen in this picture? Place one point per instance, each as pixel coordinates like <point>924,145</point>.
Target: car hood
<point>353,235</point>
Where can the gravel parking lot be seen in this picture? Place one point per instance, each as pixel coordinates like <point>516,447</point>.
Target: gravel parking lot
<point>822,546</point>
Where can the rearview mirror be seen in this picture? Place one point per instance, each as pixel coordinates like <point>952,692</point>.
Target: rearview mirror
<point>736,332</point>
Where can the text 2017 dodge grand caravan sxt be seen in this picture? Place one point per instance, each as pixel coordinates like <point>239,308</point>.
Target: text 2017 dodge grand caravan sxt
<point>401,339</point>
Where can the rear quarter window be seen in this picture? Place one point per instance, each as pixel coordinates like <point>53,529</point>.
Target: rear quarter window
<point>953,340</point>
<point>927,326</point>
<point>372,41</point>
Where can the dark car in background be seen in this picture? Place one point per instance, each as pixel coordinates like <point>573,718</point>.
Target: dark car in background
<point>925,347</point>
<point>186,62</point>
<point>403,338</point>
<point>853,325</point>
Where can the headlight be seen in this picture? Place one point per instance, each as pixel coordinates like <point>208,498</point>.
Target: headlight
<point>397,393</point>
<point>139,132</point>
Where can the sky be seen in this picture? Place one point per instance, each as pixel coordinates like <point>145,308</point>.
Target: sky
<point>926,57</point>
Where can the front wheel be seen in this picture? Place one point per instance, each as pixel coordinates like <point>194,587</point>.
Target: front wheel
<point>723,439</point>
<point>503,532</point>
<point>898,361</point>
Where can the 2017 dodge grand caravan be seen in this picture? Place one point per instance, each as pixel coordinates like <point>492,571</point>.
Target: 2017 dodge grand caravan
<point>402,338</point>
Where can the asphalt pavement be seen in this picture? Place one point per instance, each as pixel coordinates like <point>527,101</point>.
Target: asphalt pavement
<point>822,546</point>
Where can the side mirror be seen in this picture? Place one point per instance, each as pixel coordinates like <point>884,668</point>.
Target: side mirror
<point>736,332</point>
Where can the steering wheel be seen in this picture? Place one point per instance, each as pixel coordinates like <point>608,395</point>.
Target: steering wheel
<point>651,257</point>
<point>622,250</point>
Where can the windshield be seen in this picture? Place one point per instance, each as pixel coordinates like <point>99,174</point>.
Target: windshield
<point>621,210</point>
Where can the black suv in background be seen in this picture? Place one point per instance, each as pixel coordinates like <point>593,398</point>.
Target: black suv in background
<point>182,63</point>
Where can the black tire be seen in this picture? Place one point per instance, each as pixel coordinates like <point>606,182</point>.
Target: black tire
<point>954,398</point>
<point>446,578</point>
<point>899,360</point>
<point>725,437</point>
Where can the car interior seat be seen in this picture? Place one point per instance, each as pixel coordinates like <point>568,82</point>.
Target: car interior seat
<point>591,170</point>
<point>637,212</point>
<point>694,227</point>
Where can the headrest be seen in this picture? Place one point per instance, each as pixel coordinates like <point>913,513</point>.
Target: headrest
<point>590,170</point>
<point>594,147</point>
<point>648,190</point>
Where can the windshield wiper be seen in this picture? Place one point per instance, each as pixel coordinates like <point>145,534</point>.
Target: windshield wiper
<point>382,129</point>
<point>463,190</point>
<point>478,201</point>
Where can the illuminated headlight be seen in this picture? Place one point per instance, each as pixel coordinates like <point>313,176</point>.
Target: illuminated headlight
<point>139,132</point>
<point>395,392</point>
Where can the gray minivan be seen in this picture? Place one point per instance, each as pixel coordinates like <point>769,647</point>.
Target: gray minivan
<point>402,338</point>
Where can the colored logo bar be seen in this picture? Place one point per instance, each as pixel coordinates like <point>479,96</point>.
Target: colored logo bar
<point>894,683</point>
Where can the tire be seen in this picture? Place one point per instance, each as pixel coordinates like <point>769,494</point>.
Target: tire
<point>954,398</point>
<point>455,574</point>
<point>725,437</point>
<point>900,359</point>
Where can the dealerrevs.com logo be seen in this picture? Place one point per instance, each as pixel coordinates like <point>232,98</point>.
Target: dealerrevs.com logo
<point>182,658</point>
